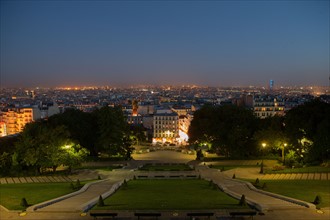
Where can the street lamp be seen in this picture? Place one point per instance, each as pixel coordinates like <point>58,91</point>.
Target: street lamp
<point>283,157</point>
<point>262,160</point>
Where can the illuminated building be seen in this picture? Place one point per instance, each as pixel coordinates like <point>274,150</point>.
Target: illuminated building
<point>165,128</point>
<point>181,110</point>
<point>3,129</point>
<point>268,106</point>
<point>184,124</point>
<point>15,119</point>
<point>135,106</point>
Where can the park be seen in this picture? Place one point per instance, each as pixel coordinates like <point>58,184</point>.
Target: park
<point>80,165</point>
<point>172,184</point>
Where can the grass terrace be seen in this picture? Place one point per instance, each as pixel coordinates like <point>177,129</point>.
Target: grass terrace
<point>312,169</point>
<point>166,167</point>
<point>230,167</point>
<point>305,190</point>
<point>34,193</point>
<point>169,195</point>
<point>104,168</point>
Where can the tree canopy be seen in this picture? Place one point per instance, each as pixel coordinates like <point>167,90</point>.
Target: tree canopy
<point>228,129</point>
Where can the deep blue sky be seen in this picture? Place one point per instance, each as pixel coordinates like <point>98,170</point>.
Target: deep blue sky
<point>216,43</point>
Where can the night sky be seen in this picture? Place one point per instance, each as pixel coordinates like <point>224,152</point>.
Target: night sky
<point>121,43</point>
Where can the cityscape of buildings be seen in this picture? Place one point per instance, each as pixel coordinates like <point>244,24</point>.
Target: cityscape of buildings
<point>165,112</point>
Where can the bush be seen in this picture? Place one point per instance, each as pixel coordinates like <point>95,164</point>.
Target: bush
<point>72,186</point>
<point>242,201</point>
<point>210,183</point>
<point>78,183</point>
<point>317,200</point>
<point>234,176</point>
<point>100,202</point>
<point>264,186</point>
<point>134,177</point>
<point>257,181</point>
<point>98,177</point>
<point>24,203</point>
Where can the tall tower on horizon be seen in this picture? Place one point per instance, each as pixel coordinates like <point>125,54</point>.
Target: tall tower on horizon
<point>271,85</point>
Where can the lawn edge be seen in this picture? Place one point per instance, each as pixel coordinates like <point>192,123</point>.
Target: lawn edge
<point>58,199</point>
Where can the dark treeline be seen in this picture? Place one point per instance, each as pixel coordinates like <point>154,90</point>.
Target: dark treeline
<point>67,139</point>
<point>235,132</point>
<point>231,131</point>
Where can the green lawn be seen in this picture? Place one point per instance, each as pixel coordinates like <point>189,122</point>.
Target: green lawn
<point>169,195</point>
<point>312,169</point>
<point>305,190</point>
<point>229,167</point>
<point>11,194</point>
<point>105,168</point>
<point>166,167</point>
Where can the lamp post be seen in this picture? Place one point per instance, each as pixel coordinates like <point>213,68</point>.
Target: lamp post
<point>262,160</point>
<point>283,157</point>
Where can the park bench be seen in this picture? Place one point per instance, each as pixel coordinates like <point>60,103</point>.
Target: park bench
<point>243,213</point>
<point>147,214</point>
<point>102,214</point>
<point>200,214</point>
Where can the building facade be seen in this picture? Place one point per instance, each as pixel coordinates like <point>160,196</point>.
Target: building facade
<point>165,128</point>
<point>268,106</point>
<point>15,119</point>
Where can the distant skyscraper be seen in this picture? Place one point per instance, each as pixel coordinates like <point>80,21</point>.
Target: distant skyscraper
<point>271,85</point>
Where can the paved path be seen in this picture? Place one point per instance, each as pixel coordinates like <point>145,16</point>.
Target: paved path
<point>240,188</point>
<point>74,203</point>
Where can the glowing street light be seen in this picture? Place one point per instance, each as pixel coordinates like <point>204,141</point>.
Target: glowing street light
<point>283,157</point>
<point>67,146</point>
<point>262,161</point>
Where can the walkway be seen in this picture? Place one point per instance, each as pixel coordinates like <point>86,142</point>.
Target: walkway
<point>264,201</point>
<point>76,203</point>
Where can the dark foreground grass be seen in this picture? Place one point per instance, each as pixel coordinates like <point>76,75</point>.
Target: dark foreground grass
<point>229,167</point>
<point>169,167</point>
<point>305,190</point>
<point>104,168</point>
<point>34,193</point>
<point>169,195</point>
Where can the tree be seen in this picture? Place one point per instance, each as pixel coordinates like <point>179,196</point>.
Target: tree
<point>113,136</point>
<point>228,129</point>
<point>307,128</point>
<point>44,146</point>
<point>137,134</point>
<point>81,125</point>
<point>73,155</point>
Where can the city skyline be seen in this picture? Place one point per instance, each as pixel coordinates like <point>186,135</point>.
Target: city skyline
<point>121,43</point>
